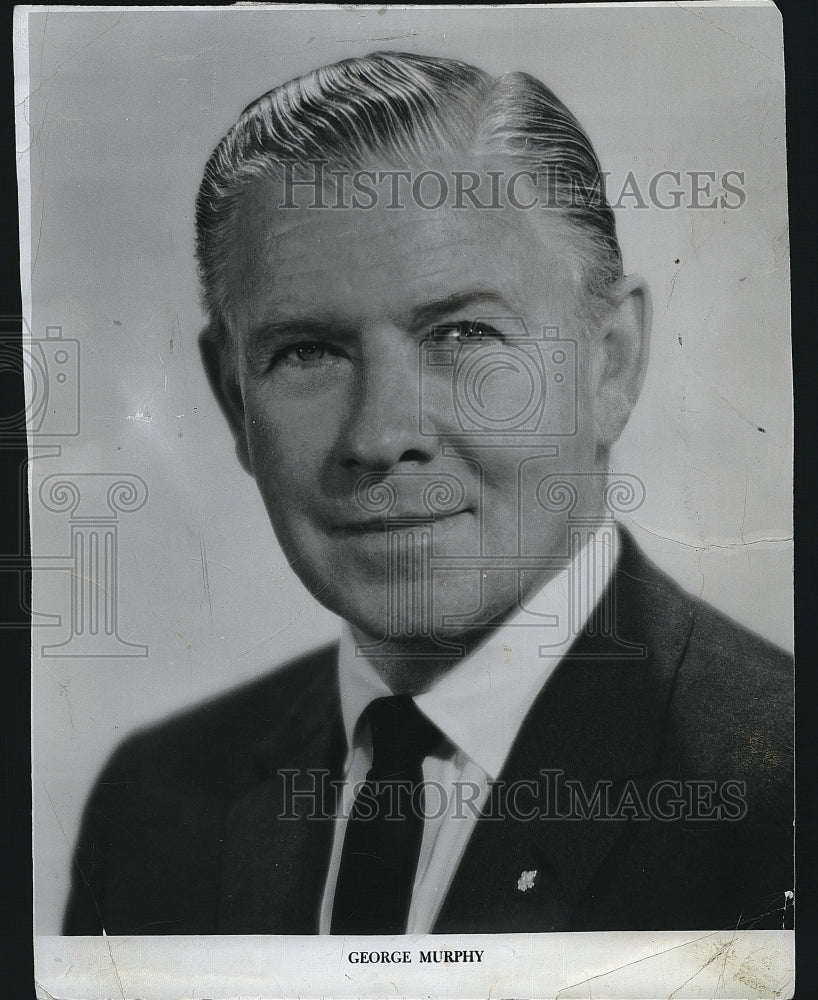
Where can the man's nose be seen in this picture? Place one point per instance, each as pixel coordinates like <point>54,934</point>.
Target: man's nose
<point>383,425</point>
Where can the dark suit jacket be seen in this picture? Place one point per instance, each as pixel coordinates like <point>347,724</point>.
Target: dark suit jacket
<point>182,833</point>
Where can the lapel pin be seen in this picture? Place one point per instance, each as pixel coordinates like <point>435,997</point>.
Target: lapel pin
<point>526,880</point>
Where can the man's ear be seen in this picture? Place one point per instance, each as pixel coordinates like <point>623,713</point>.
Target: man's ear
<point>620,349</point>
<point>218,357</point>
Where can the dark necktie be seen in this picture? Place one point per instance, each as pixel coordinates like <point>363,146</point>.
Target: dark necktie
<point>385,828</point>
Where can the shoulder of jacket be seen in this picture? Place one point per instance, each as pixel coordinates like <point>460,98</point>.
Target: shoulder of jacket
<point>209,734</point>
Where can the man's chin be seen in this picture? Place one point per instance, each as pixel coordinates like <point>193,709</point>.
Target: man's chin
<point>446,624</point>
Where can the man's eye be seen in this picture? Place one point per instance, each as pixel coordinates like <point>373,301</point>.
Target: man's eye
<point>307,353</point>
<point>481,331</point>
<point>468,331</point>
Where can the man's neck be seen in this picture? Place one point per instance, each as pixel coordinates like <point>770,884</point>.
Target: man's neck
<point>412,667</point>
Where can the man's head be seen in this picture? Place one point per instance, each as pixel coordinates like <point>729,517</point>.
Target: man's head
<point>412,111</point>
<point>432,354</point>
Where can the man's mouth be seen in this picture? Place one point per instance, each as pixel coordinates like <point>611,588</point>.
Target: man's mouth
<point>395,520</point>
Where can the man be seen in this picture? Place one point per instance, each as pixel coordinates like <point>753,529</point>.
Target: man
<point>526,726</point>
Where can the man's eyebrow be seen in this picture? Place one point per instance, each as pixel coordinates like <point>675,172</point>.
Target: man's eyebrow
<point>423,315</point>
<point>307,325</point>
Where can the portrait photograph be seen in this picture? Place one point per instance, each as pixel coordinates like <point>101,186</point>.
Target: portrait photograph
<point>409,424</point>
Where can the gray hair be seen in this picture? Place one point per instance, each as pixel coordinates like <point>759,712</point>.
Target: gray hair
<point>404,107</point>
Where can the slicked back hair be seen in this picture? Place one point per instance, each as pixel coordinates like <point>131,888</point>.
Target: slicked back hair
<point>407,109</point>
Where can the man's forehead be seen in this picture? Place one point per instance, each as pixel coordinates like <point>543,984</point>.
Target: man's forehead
<point>285,210</point>
<point>408,253</point>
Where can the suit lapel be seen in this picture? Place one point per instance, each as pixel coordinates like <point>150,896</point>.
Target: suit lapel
<point>277,845</point>
<point>598,719</point>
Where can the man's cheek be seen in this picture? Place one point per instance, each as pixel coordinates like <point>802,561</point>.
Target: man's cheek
<point>277,441</point>
<point>303,438</point>
<point>280,480</point>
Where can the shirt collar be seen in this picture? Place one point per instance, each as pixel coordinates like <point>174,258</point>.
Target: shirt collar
<point>481,703</point>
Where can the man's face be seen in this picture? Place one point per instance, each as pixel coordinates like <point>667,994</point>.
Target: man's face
<point>362,386</point>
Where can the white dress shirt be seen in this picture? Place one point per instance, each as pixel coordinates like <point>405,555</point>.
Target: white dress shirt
<point>479,705</point>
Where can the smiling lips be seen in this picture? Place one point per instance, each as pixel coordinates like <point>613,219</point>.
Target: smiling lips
<point>379,524</point>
